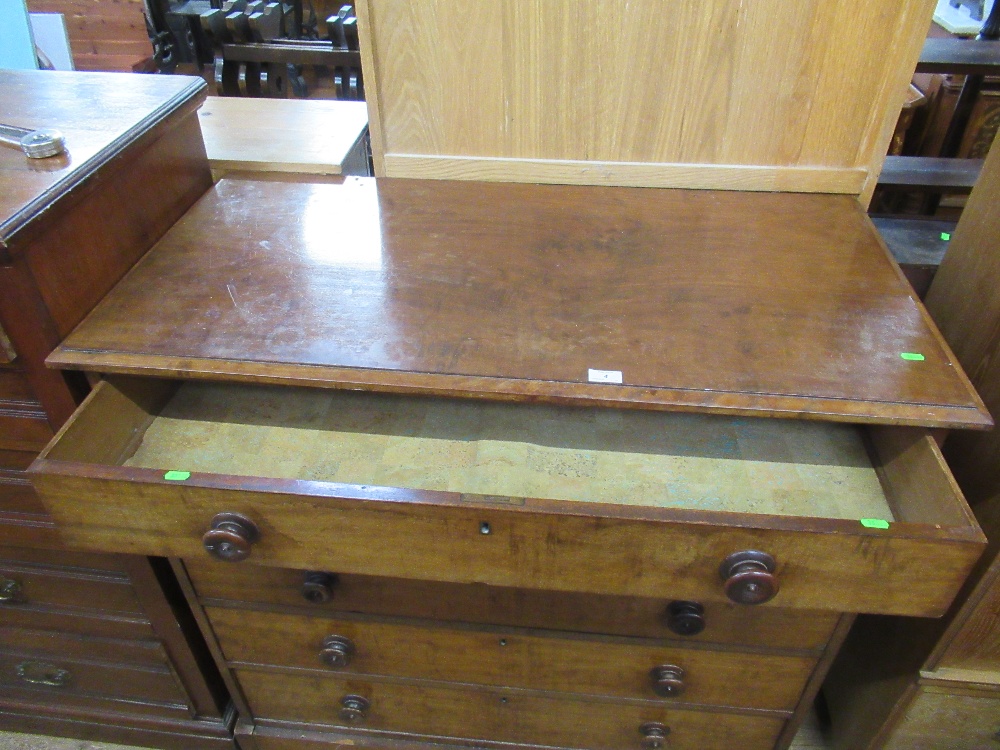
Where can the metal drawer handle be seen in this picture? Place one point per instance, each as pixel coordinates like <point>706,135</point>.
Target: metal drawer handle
<point>10,590</point>
<point>40,673</point>
<point>748,577</point>
<point>354,708</point>
<point>654,735</point>
<point>231,537</point>
<point>336,651</point>
<point>668,680</point>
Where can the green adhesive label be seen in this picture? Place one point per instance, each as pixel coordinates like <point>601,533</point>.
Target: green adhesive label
<point>874,523</point>
<point>912,356</point>
<point>945,236</point>
<point>177,476</point>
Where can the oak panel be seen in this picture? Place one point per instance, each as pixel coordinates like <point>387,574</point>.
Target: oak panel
<point>557,81</point>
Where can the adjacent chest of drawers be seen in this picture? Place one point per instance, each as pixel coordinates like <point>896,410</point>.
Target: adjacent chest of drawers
<point>92,645</point>
<point>549,466</point>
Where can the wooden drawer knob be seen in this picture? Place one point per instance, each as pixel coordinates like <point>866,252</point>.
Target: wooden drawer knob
<point>336,651</point>
<point>353,708</point>
<point>10,591</point>
<point>231,537</point>
<point>668,680</point>
<point>685,618</point>
<point>748,577</point>
<point>654,735</point>
<point>317,586</point>
<point>40,673</point>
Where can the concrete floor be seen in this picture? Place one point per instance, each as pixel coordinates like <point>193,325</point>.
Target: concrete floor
<point>16,741</point>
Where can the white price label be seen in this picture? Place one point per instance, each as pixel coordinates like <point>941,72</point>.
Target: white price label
<point>604,376</point>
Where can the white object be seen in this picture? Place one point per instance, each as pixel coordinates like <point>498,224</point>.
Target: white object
<point>604,376</point>
<point>958,20</point>
<point>52,39</point>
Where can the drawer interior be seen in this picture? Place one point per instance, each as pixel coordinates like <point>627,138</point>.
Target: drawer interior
<point>656,459</point>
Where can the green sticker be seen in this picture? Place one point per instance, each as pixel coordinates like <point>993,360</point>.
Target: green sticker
<point>945,236</point>
<point>874,523</point>
<point>177,476</point>
<point>912,356</point>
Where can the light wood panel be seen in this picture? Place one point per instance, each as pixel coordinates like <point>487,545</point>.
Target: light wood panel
<point>651,93</point>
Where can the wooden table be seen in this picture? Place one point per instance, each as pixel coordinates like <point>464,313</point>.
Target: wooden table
<point>284,135</point>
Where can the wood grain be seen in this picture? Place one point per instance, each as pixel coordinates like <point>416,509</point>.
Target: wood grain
<point>557,81</point>
<point>281,135</point>
<point>504,715</point>
<point>776,304</point>
<point>537,660</point>
<point>727,624</point>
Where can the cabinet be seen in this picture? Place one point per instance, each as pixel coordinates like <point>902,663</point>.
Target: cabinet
<point>477,462</point>
<point>93,645</point>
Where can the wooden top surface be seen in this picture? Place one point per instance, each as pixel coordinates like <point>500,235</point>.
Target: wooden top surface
<point>98,113</point>
<point>281,135</point>
<point>764,304</point>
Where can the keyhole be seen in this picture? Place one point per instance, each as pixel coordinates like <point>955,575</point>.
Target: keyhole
<point>484,527</point>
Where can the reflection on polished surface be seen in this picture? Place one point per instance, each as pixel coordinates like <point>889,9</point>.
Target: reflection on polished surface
<point>758,303</point>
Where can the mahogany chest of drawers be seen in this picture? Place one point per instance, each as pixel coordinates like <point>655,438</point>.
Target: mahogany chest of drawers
<point>407,516</point>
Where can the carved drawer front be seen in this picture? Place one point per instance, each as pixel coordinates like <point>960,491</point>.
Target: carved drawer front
<point>591,500</point>
<point>16,493</point>
<point>14,386</point>
<point>940,718</point>
<point>145,652</point>
<point>38,670</point>
<point>501,715</point>
<point>329,594</point>
<point>590,665</point>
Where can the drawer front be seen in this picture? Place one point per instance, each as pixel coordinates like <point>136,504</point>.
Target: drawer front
<point>14,386</point>
<point>79,590</point>
<point>328,595</point>
<point>61,675</point>
<point>939,720</point>
<point>514,658</point>
<point>505,716</point>
<point>16,492</point>
<point>23,430</point>
<point>82,647</point>
<point>913,567</point>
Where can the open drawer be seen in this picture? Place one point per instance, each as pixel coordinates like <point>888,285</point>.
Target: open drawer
<point>596,500</point>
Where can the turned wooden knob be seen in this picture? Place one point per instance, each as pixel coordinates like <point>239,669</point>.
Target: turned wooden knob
<point>668,680</point>
<point>10,590</point>
<point>654,735</point>
<point>317,586</point>
<point>353,708</point>
<point>748,577</point>
<point>685,618</point>
<point>231,537</point>
<point>336,651</point>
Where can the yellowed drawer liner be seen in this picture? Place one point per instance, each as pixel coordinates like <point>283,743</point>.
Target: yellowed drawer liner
<point>659,459</point>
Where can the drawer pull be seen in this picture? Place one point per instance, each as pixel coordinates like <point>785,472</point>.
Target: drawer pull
<point>668,680</point>
<point>353,708</point>
<point>336,651</point>
<point>654,735</point>
<point>231,537</point>
<point>10,590</point>
<point>749,577</point>
<point>317,586</point>
<point>39,673</point>
<point>685,618</point>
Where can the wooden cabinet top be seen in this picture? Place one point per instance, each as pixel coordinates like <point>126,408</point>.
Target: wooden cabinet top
<point>747,303</point>
<point>99,113</point>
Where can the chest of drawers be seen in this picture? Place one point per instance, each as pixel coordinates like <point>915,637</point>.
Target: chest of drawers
<point>406,515</point>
